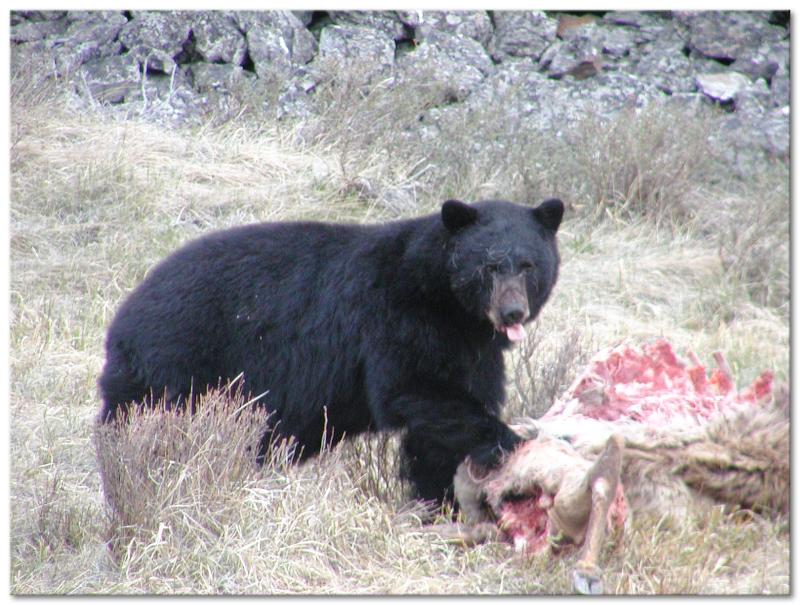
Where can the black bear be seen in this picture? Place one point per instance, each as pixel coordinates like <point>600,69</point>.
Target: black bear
<point>348,328</point>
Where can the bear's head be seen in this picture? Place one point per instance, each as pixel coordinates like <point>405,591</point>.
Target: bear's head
<point>502,259</point>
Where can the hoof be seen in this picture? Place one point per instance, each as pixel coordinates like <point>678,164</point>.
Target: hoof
<point>587,582</point>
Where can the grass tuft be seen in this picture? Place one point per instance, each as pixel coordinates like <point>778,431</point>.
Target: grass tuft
<point>641,163</point>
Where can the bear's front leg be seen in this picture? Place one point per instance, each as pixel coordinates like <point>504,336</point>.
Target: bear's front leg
<point>440,433</point>
<point>491,453</point>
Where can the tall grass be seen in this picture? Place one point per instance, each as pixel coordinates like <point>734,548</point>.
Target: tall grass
<point>651,246</point>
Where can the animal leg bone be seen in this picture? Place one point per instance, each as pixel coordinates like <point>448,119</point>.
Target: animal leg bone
<point>603,478</point>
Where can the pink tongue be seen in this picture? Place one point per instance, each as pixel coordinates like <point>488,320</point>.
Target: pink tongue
<point>515,333</point>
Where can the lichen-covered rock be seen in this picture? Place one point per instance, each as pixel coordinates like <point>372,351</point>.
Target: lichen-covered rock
<point>471,24</point>
<point>295,99</point>
<point>34,16</point>
<point>90,35</point>
<point>641,20</point>
<point>616,43</point>
<point>728,35</point>
<point>101,27</point>
<point>75,38</point>
<point>554,105</point>
<point>760,67</point>
<point>583,50</point>
<point>781,88</point>
<point>155,38</point>
<point>663,63</point>
<point>162,88</point>
<point>277,41</point>
<point>218,38</point>
<point>521,34</point>
<point>305,17</point>
<point>207,77</point>
<point>722,87</point>
<point>564,57</point>
<point>741,141</point>
<point>753,98</point>
<point>111,79</point>
<point>454,62</point>
<point>354,44</point>
<point>776,130</point>
<point>30,31</point>
<point>387,22</point>
<point>516,85</point>
<point>606,95</point>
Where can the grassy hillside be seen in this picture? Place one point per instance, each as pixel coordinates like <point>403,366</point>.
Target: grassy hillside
<point>657,241</point>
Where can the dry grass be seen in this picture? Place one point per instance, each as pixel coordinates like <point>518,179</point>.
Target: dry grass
<point>641,163</point>
<point>543,368</point>
<point>191,511</point>
<point>96,201</point>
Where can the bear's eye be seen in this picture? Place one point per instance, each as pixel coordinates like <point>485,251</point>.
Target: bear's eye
<point>526,266</point>
<point>492,267</point>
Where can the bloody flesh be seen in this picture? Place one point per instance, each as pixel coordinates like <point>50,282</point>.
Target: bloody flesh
<point>627,385</point>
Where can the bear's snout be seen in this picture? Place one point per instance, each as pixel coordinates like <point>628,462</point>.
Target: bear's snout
<point>513,313</point>
<point>508,307</point>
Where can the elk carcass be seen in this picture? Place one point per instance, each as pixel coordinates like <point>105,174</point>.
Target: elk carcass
<point>639,430</point>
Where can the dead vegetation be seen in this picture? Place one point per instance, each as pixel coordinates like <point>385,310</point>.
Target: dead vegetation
<point>95,201</point>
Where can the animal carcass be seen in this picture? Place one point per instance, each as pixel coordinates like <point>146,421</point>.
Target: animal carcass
<point>638,430</point>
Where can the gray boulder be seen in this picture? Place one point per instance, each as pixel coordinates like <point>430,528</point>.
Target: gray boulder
<point>453,62</point>
<point>305,17</point>
<point>277,42</point>
<point>584,50</point>
<point>552,105</point>
<point>387,22</point>
<point>754,98</point>
<point>31,31</point>
<point>663,63</point>
<point>722,87</point>
<point>728,35</point>
<point>776,130</point>
<point>91,35</point>
<point>215,77</point>
<point>471,24</point>
<point>370,49</point>
<point>742,141</point>
<point>648,22</point>
<point>521,34</point>
<point>218,38</point>
<point>81,36</point>
<point>110,79</point>
<point>295,100</point>
<point>34,16</point>
<point>781,89</point>
<point>155,38</point>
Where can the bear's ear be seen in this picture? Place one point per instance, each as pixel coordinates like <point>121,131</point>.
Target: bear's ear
<point>549,213</point>
<point>457,215</point>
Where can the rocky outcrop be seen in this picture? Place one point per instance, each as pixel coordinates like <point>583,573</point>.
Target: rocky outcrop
<point>553,67</point>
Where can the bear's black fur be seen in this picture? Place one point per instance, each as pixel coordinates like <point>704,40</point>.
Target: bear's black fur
<point>401,325</point>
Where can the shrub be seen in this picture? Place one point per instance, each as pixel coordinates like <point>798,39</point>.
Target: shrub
<point>541,372</point>
<point>160,458</point>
